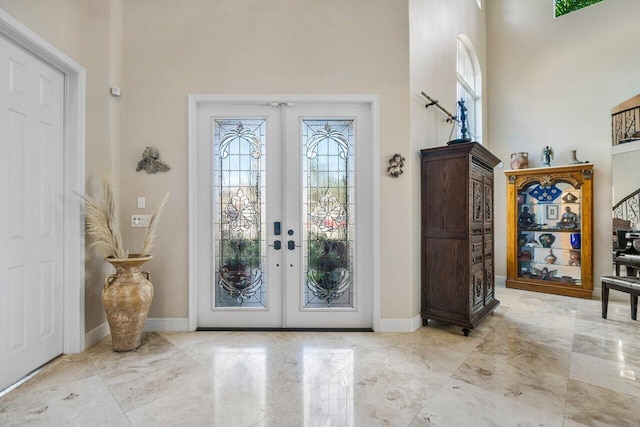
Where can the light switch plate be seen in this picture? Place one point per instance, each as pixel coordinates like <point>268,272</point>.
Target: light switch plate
<point>140,220</point>
<point>142,202</point>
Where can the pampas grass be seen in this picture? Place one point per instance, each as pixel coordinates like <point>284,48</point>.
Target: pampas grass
<point>101,220</point>
<point>152,229</point>
<point>103,228</point>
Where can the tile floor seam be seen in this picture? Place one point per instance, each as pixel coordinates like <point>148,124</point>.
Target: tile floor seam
<point>566,400</point>
<point>99,373</point>
<point>426,404</point>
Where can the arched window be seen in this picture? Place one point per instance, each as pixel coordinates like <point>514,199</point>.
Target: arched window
<point>470,87</point>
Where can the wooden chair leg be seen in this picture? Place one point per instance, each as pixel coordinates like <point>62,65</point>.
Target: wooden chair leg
<point>605,299</point>
<point>634,306</point>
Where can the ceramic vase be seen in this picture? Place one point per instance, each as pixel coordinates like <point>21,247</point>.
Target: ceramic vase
<point>551,258</point>
<point>575,240</point>
<point>519,160</point>
<point>547,239</point>
<point>126,298</point>
<point>573,160</point>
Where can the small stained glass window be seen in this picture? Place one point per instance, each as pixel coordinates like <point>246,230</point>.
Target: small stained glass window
<point>563,7</point>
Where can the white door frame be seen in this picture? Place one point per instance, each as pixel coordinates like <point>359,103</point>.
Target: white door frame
<point>197,101</point>
<point>74,173</point>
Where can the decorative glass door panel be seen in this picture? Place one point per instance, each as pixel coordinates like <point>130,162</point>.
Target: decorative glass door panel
<point>238,213</point>
<point>328,211</point>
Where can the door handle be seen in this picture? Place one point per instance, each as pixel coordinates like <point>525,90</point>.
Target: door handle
<point>277,245</point>
<point>291,245</point>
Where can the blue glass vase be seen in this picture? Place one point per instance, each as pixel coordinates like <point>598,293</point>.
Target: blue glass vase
<point>575,240</point>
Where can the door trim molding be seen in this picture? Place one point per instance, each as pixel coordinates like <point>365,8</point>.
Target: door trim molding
<point>75,77</point>
<point>195,101</point>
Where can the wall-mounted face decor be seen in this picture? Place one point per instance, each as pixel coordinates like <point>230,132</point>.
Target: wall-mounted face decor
<point>151,163</point>
<point>396,163</point>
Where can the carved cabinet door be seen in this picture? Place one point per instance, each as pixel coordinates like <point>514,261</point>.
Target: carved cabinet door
<point>481,223</point>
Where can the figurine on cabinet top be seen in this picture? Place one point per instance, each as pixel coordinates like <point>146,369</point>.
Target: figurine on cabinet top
<point>569,219</point>
<point>546,156</point>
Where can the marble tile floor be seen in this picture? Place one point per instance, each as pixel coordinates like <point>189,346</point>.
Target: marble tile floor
<point>539,360</point>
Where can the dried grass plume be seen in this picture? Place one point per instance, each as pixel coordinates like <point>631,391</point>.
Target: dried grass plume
<point>103,228</point>
<point>152,229</point>
<point>101,220</point>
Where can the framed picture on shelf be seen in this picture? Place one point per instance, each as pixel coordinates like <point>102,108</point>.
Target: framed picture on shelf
<point>552,211</point>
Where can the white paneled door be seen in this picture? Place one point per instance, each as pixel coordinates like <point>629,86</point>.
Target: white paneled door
<point>285,215</point>
<point>31,212</point>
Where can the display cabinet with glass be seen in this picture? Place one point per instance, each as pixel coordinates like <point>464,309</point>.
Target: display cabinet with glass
<point>549,230</point>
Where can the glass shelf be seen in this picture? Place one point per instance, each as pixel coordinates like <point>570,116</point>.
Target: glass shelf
<point>550,230</point>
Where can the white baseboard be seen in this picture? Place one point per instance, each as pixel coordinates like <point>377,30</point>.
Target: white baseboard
<point>96,335</point>
<point>399,325</point>
<point>167,324</point>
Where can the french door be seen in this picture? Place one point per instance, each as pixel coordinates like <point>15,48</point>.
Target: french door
<point>287,214</point>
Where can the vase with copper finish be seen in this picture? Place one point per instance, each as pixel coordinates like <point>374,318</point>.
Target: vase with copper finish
<point>126,298</point>
<point>519,160</point>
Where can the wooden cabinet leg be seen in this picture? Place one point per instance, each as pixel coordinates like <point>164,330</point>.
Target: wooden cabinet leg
<point>634,306</point>
<point>466,331</point>
<point>425,322</point>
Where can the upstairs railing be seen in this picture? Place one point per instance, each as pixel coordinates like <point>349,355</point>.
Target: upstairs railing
<point>628,208</point>
<point>625,126</point>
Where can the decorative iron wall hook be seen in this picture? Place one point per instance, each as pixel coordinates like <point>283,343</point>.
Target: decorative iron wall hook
<point>450,117</point>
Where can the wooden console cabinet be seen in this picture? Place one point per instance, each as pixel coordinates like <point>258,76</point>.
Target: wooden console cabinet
<point>550,230</point>
<point>457,234</point>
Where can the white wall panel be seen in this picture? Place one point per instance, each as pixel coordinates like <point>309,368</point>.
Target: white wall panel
<point>17,79</point>
<point>17,309</point>
<point>17,172</point>
<point>46,300</point>
<point>47,179</point>
<point>46,93</point>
